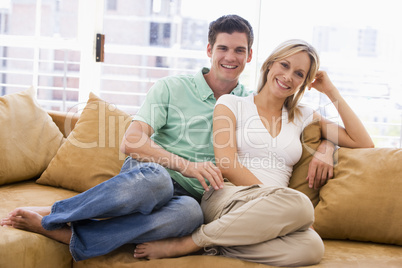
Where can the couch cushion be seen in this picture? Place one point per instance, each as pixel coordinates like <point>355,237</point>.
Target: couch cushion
<point>364,201</point>
<point>19,248</point>
<point>28,137</point>
<point>91,153</point>
<point>311,139</point>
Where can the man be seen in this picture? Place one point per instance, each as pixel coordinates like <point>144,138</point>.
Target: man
<point>155,194</point>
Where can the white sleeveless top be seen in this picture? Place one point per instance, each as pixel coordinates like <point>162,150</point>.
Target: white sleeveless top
<point>270,159</point>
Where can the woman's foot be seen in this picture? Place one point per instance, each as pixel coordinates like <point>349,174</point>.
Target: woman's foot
<point>24,219</point>
<point>166,248</point>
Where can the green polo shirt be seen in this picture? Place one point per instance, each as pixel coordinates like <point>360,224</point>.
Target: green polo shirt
<point>180,109</point>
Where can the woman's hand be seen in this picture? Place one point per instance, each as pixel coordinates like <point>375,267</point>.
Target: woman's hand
<point>353,134</point>
<point>321,167</point>
<point>323,84</point>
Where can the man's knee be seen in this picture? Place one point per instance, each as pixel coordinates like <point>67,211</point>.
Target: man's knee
<point>156,173</point>
<point>151,175</point>
<point>190,212</point>
<point>192,208</point>
<point>148,182</point>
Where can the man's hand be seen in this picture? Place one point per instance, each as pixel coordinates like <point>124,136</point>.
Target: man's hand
<point>202,171</point>
<point>321,167</point>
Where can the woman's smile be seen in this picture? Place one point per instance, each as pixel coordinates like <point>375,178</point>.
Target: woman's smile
<point>282,85</point>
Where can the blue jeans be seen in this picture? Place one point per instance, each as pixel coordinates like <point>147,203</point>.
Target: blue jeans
<point>141,204</point>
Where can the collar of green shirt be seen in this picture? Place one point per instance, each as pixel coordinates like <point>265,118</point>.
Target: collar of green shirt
<point>205,91</point>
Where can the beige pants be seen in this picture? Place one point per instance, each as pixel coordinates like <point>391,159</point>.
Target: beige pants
<point>268,225</point>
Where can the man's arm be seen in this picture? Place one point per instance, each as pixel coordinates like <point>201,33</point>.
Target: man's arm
<point>138,144</point>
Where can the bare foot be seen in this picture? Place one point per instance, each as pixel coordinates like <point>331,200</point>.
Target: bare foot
<point>24,219</point>
<point>166,248</point>
<point>31,221</point>
<point>43,211</point>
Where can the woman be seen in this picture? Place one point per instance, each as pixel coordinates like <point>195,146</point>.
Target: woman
<point>256,217</point>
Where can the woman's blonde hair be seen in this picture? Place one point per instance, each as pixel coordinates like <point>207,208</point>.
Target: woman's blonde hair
<point>283,51</point>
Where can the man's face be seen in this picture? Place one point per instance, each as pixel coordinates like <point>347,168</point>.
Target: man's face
<point>229,56</point>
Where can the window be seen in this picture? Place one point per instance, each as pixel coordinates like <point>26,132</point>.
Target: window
<point>367,42</point>
<point>42,51</point>
<point>159,34</point>
<point>50,44</point>
<point>111,4</point>
<point>147,40</point>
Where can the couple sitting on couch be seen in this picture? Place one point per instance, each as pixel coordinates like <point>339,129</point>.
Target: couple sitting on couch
<point>251,214</point>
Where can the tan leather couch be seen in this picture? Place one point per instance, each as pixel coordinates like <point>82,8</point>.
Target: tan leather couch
<point>358,213</point>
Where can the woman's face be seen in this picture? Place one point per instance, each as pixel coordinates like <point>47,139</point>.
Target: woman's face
<point>286,76</point>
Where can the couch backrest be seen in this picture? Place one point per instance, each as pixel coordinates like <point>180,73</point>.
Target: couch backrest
<point>64,121</point>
